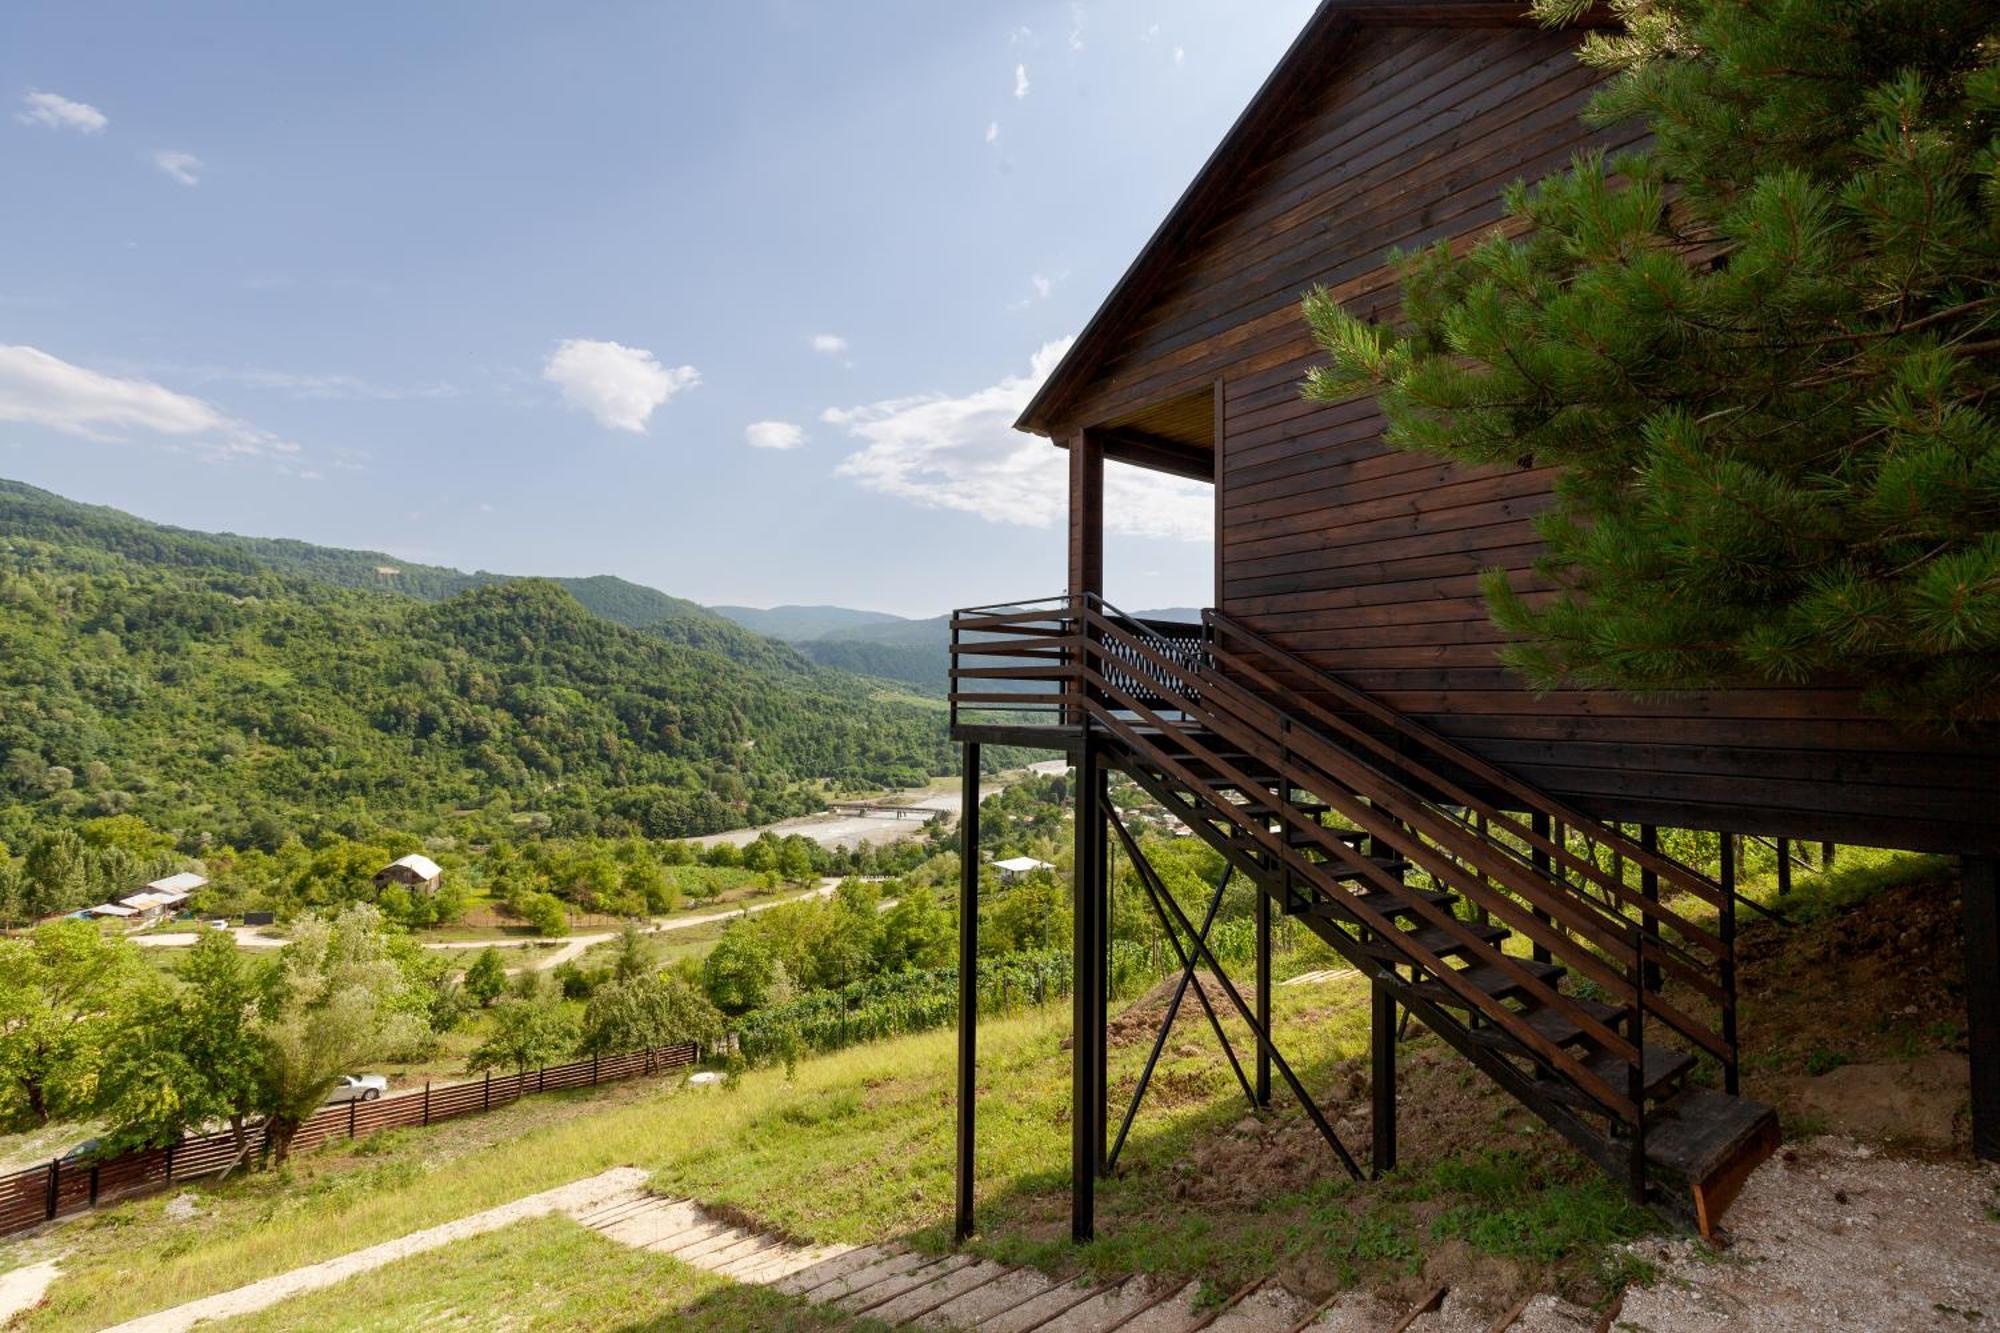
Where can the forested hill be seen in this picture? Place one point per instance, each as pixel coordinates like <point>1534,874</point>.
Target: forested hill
<point>199,685</point>
<point>27,511</point>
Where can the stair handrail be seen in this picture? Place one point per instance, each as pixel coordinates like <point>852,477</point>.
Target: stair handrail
<point>1227,717</point>
<point>1611,920</point>
<point>1555,1056</point>
<point>1682,876</point>
<point>1629,932</point>
<point>1650,910</point>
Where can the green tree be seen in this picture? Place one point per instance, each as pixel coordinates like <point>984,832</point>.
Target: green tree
<point>1761,355</point>
<point>191,1054</point>
<point>544,911</point>
<point>738,971</point>
<point>334,1004</point>
<point>528,1033</point>
<point>916,933</point>
<point>65,992</point>
<point>486,978</point>
<point>647,1011</point>
<point>631,957</point>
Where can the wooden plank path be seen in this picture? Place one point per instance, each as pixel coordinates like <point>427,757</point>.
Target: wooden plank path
<point>904,1288</point>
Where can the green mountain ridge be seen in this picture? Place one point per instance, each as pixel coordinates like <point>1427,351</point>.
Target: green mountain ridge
<point>796,624</point>
<point>227,688</point>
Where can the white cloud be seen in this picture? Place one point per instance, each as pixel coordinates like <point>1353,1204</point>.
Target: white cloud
<point>963,454</point>
<point>1076,26</point>
<point>1020,81</point>
<point>829,344</point>
<point>773,435</point>
<point>1043,286</point>
<point>183,167</point>
<point>618,385</point>
<point>43,390</point>
<point>60,113</point>
<point>992,131</point>
<point>1180,55</point>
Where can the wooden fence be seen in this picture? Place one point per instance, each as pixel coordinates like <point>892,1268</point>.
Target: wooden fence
<point>41,1193</point>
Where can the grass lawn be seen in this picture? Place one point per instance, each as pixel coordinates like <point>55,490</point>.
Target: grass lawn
<point>857,1146</point>
<point>580,1280</point>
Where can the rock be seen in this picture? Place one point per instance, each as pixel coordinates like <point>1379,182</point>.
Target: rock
<point>181,1207</point>
<point>704,1079</point>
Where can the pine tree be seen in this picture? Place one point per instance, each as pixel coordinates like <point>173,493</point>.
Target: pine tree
<point>1762,354</point>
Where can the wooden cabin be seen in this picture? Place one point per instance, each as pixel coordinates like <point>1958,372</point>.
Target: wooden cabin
<point>1338,721</point>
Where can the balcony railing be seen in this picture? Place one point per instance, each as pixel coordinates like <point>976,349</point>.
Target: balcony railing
<point>1014,664</point>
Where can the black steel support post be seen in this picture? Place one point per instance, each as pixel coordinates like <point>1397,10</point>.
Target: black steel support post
<point>1727,923</point>
<point>1382,1090</point>
<point>1263,1095</point>
<point>968,985</point>
<point>1649,889</point>
<point>1784,866</point>
<point>1086,954</point>
<point>1542,826</point>
<point>1100,1089</point>
<point>1981,875</point>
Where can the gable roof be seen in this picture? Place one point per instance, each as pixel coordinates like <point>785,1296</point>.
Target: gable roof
<point>1304,65</point>
<point>416,863</point>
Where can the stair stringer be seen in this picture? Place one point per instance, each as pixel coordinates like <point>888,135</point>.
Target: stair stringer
<point>1603,1149</point>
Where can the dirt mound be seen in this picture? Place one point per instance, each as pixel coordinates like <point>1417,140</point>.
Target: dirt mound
<point>1140,1021</point>
<point>1919,1102</point>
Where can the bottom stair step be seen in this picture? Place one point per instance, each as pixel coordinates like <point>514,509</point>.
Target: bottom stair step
<point>1710,1142</point>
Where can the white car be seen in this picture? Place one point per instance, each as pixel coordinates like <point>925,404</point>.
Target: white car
<point>357,1088</point>
<point>218,924</point>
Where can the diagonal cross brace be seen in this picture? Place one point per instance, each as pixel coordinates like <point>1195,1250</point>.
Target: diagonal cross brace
<point>1188,979</point>
<point>1147,876</point>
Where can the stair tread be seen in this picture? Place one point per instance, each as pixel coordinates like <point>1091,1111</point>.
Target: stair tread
<point>1560,1028</point>
<point>1489,978</point>
<point>1698,1131</point>
<point>1440,942</point>
<point>1388,904</point>
<point>1661,1065</point>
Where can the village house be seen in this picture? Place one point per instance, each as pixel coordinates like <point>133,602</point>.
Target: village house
<point>1016,868</point>
<point>415,871</point>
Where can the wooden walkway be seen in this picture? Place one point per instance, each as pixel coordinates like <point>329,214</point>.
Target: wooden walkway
<point>902,1288</point>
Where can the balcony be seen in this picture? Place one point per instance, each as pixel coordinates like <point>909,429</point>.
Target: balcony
<point>1015,667</point>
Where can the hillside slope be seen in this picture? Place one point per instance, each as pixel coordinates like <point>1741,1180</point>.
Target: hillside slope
<point>187,680</point>
<point>28,511</point>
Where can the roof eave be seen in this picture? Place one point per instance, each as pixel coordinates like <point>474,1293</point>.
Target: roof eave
<point>1331,21</point>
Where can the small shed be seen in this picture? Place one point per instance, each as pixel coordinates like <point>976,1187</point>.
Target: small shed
<point>415,871</point>
<point>1016,868</point>
<point>110,912</point>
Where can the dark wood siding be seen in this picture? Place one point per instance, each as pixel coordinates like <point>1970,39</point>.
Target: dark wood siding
<point>1366,559</point>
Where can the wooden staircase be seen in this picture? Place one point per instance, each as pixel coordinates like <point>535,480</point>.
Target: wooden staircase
<point>1482,905</point>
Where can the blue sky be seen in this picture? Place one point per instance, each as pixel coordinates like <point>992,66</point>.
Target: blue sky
<point>735,299</point>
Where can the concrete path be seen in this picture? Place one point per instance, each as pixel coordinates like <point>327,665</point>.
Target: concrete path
<point>579,1198</point>
<point>23,1288</point>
